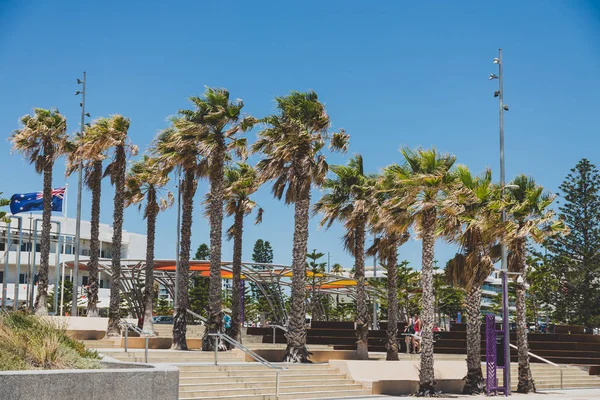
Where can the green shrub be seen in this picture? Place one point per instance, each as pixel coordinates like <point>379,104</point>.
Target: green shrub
<point>30,342</point>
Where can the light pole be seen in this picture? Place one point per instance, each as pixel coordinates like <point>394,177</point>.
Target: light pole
<point>177,244</point>
<point>375,323</point>
<point>504,265</point>
<point>79,187</point>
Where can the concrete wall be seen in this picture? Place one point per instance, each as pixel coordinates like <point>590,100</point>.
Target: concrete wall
<point>401,377</point>
<point>138,383</point>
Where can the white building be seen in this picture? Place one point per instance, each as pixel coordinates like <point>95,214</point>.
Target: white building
<point>16,267</point>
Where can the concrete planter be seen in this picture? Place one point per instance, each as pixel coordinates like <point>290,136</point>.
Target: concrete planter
<point>120,381</point>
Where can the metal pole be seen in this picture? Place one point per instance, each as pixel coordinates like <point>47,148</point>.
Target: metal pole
<point>216,350</point>
<point>78,218</point>
<point>504,265</point>
<point>28,280</point>
<point>146,352</point>
<point>177,244</point>
<point>274,335</point>
<point>5,275</point>
<point>17,282</point>
<point>277,384</point>
<point>126,337</point>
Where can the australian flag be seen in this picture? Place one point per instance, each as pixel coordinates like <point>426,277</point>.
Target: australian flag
<point>22,202</point>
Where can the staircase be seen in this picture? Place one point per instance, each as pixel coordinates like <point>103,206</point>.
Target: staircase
<point>175,356</point>
<point>166,330</point>
<point>548,377</point>
<point>253,381</point>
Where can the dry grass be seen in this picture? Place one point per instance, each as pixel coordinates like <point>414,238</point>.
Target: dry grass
<point>30,342</point>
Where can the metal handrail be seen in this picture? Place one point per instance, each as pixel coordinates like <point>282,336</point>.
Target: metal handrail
<point>275,326</point>
<point>133,327</point>
<point>560,367</point>
<point>222,336</point>
<point>196,315</point>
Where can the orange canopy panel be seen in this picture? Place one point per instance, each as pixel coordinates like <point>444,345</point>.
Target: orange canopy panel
<point>192,268</point>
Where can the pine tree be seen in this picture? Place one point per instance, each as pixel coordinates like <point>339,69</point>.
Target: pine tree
<point>575,258</point>
<point>203,252</point>
<point>262,252</point>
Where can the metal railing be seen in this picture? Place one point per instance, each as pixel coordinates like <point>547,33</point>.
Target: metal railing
<point>196,315</point>
<point>275,326</point>
<point>542,359</point>
<point>133,327</point>
<point>222,336</point>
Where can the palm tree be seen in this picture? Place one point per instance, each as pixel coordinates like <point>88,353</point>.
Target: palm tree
<point>240,183</point>
<point>111,133</point>
<point>217,120</point>
<point>90,151</point>
<point>42,139</point>
<point>476,228</point>
<point>292,145</point>
<point>528,215</point>
<point>145,180</point>
<point>176,150</point>
<point>422,183</point>
<point>350,198</point>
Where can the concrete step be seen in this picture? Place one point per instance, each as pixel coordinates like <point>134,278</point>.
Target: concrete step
<point>249,372</point>
<point>323,395</point>
<point>188,387</point>
<point>227,391</point>
<point>199,379</point>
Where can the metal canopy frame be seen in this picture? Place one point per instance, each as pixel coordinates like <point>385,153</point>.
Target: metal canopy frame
<point>268,278</point>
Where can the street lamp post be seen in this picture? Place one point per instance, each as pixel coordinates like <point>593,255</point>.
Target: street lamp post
<point>504,263</point>
<point>79,188</point>
<point>175,297</point>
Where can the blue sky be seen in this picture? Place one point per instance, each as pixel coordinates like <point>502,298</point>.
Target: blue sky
<point>391,73</point>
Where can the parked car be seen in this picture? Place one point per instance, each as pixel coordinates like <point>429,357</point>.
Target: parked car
<point>162,319</point>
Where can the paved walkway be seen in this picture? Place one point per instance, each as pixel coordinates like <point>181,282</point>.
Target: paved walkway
<point>572,394</point>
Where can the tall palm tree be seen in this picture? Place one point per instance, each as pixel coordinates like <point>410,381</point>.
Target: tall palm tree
<point>423,182</point>
<point>529,216</point>
<point>292,145</point>
<point>42,139</point>
<point>145,180</point>
<point>175,149</point>
<point>111,133</point>
<point>219,123</point>
<point>240,183</point>
<point>350,198</point>
<point>476,228</point>
<point>90,151</point>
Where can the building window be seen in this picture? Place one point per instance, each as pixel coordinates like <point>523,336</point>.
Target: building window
<point>22,278</point>
<point>2,246</point>
<point>84,281</point>
<point>101,284</point>
<point>2,276</point>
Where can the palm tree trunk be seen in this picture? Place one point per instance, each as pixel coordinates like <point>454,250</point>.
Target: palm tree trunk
<point>392,330</point>
<point>474,383</point>
<point>95,183</point>
<point>525,384</point>
<point>119,204</point>
<point>179,321</point>
<point>151,213</point>
<point>41,306</point>
<point>215,312</point>
<point>296,351</point>
<point>362,310</point>
<point>236,306</point>
<point>426,373</point>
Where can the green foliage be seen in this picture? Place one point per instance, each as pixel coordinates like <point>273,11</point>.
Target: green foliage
<point>573,260</point>
<point>30,342</point>
<point>198,294</point>
<point>4,203</point>
<point>163,307</point>
<point>262,252</point>
<point>67,296</point>
<point>203,252</point>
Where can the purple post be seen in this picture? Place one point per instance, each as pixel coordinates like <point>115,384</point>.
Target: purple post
<point>242,299</point>
<point>491,383</point>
